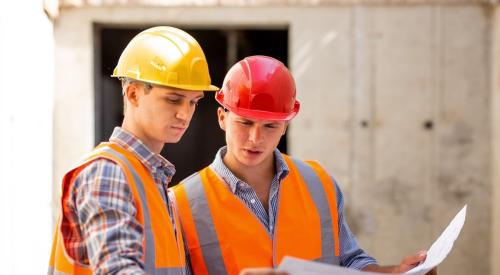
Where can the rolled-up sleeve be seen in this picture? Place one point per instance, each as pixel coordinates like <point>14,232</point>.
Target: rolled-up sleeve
<point>106,213</point>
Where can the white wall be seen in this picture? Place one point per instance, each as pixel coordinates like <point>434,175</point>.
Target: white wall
<point>26,101</point>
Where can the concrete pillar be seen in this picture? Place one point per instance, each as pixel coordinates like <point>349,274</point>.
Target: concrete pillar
<point>26,101</point>
<point>495,141</point>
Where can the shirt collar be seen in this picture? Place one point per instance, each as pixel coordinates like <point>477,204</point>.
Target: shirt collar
<point>150,159</point>
<point>234,182</point>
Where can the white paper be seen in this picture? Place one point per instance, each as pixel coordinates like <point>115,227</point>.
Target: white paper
<point>435,255</point>
<point>296,266</point>
<point>443,245</point>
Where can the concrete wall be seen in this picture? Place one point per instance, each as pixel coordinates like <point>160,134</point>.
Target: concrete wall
<point>395,103</point>
<point>495,136</point>
<point>398,110</point>
<point>260,3</point>
<point>26,100</point>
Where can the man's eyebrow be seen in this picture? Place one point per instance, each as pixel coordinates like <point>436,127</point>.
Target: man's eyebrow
<point>184,95</point>
<point>176,94</point>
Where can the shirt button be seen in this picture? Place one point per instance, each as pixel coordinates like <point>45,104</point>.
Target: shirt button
<point>252,200</point>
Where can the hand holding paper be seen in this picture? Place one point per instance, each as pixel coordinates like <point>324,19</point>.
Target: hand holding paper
<point>435,255</point>
<point>443,245</point>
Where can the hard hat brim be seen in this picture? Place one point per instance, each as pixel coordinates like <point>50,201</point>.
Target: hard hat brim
<point>208,88</point>
<point>263,115</point>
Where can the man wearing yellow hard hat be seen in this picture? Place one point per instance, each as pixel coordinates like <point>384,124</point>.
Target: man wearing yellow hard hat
<point>116,214</point>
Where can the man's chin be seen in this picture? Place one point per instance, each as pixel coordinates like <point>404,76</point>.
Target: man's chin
<point>173,140</point>
<point>250,162</point>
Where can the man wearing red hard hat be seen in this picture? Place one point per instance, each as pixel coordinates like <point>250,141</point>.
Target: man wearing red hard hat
<point>253,205</point>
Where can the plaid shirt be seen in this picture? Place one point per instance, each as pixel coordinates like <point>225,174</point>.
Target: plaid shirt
<point>99,225</point>
<point>351,255</point>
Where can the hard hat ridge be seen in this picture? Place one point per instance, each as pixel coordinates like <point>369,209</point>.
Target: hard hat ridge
<point>259,87</point>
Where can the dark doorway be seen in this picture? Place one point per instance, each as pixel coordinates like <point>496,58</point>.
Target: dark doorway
<point>222,47</point>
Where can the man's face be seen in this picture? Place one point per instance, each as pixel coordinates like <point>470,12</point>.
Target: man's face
<point>163,114</point>
<point>250,142</point>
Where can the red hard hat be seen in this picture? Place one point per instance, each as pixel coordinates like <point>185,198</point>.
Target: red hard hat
<point>259,87</point>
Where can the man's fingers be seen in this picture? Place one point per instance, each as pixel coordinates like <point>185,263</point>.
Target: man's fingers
<point>415,258</point>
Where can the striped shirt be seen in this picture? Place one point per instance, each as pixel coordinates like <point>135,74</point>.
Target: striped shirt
<point>351,255</point>
<point>99,226</point>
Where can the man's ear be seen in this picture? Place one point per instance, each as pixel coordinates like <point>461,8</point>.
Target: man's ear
<point>286,127</point>
<point>222,118</point>
<point>132,94</point>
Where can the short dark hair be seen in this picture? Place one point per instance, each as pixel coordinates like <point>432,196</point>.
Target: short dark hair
<point>125,81</point>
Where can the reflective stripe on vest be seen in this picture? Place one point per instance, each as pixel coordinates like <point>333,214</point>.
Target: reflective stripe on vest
<point>208,208</point>
<point>323,206</point>
<point>205,227</point>
<point>163,253</point>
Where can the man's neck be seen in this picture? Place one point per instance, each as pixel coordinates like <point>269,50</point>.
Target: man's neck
<point>259,177</point>
<point>136,131</point>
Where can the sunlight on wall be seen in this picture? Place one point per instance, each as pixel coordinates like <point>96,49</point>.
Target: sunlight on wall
<point>26,99</point>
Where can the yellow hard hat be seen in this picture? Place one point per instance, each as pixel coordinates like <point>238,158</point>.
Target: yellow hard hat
<point>165,56</point>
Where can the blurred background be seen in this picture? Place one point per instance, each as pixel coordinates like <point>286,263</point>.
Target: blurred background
<point>400,101</point>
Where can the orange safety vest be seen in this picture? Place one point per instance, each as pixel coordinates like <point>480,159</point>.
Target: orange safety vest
<point>224,236</point>
<point>163,251</point>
